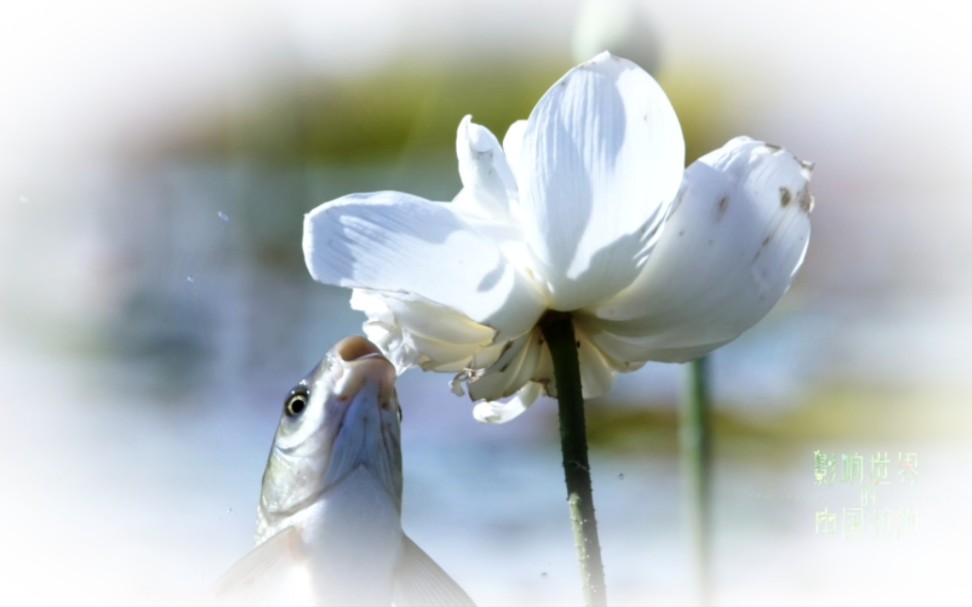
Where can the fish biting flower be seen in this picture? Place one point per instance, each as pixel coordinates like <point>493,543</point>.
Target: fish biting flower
<point>586,209</point>
<point>329,518</point>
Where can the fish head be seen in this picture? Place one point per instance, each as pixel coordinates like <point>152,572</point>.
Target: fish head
<point>329,519</point>
<point>344,415</point>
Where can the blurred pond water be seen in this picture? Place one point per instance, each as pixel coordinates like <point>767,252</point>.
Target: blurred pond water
<point>142,388</point>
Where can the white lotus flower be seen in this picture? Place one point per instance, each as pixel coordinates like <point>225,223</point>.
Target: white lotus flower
<point>585,209</point>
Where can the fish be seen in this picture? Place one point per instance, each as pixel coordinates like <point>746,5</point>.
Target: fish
<point>329,528</point>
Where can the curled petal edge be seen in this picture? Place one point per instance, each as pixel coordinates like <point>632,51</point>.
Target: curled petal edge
<point>500,412</point>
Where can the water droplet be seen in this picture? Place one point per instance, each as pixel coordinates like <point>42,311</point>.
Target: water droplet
<point>223,216</point>
<point>620,476</point>
<point>24,199</point>
<point>229,510</point>
<point>190,279</point>
<point>543,574</point>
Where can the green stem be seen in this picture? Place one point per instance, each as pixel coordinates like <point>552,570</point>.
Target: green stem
<point>696,442</point>
<point>558,331</point>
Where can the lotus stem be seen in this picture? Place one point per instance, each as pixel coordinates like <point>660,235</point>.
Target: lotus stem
<point>695,436</point>
<point>558,331</point>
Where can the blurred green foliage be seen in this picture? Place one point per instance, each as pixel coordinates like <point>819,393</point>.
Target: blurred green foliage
<point>405,110</point>
<point>843,413</point>
<point>412,109</point>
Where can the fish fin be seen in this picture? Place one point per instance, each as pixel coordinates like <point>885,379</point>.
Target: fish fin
<point>274,573</point>
<point>420,581</point>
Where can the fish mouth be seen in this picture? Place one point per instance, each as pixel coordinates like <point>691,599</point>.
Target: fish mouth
<point>363,362</point>
<point>356,348</point>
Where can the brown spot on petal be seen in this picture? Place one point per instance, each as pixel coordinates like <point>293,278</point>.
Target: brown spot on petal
<point>762,246</point>
<point>786,197</point>
<point>806,200</point>
<point>721,207</point>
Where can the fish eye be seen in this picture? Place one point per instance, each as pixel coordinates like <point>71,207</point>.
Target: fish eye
<point>296,401</point>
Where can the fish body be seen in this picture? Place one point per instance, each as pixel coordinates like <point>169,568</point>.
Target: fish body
<point>329,517</point>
